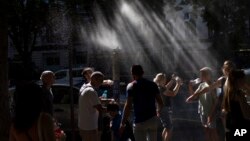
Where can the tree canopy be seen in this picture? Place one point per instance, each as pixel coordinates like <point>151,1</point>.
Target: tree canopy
<point>25,21</point>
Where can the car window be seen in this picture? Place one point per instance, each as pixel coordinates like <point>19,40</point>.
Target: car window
<point>77,73</point>
<point>62,95</point>
<point>60,75</point>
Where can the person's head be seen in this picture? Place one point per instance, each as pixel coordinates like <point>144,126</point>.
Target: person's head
<point>86,73</point>
<point>113,109</point>
<point>137,71</point>
<point>206,74</point>
<point>160,79</point>
<point>96,79</point>
<point>227,67</point>
<point>48,78</point>
<point>28,105</point>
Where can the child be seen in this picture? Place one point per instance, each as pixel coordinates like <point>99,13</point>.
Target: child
<point>207,103</point>
<point>113,110</point>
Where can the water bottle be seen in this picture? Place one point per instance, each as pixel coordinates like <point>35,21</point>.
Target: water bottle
<point>196,81</point>
<point>105,94</point>
<point>178,79</point>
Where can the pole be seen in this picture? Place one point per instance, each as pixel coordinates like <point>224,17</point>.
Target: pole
<point>116,74</point>
<point>70,60</point>
<point>4,99</point>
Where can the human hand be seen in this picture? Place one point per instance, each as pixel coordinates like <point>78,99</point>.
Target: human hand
<point>179,81</point>
<point>218,82</point>
<point>221,78</point>
<point>191,83</point>
<point>173,76</point>
<point>196,81</point>
<point>209,120</point>
<point>158,114</point>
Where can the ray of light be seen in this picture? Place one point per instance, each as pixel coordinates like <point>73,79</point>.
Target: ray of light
<point>145,38</point>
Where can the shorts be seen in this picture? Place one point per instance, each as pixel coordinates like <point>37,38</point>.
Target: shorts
<point>211,125</point>
<point>166,118</point>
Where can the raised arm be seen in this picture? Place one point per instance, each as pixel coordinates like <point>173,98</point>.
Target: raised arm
<point>190,88</point>
<point>170,84</point>
<point>217,83</point>
<point>198,92</point>
<point>175,90</point>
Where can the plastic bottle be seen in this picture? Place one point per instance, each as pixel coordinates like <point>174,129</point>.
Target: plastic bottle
<point>105,94</point>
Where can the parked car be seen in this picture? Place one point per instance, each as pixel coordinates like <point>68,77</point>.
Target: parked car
<point>62,76</point>
<point>62,107</point>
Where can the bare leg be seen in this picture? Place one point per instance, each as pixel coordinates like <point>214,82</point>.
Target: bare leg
<point>207,134</point>
<point>166,134</point>
<point>214,135</point>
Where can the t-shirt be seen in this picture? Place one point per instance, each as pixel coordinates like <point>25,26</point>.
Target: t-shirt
<point>88,115</point>
<point>84,85</point>
<point>166,99</point>
<point>143,93</point>
<point>206,100</point>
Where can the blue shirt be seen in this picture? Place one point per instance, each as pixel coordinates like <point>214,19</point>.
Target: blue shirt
<point>143,93</point>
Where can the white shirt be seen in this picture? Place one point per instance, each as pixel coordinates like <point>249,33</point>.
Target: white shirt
<point>88,115</point>
<point>206,100</point>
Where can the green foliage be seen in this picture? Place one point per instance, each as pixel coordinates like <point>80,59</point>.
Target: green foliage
<point>227,21</point>
<point>25,20</point>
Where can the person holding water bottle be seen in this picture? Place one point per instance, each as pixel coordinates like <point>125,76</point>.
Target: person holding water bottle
<point>220,84</point>
<point>166,95</point>
<point>207,103</point>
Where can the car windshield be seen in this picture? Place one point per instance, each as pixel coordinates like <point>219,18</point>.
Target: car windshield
<point>77,73</point>
<point>60,75</point>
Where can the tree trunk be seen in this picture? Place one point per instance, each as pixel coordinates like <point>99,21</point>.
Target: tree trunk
<point>4,99</point>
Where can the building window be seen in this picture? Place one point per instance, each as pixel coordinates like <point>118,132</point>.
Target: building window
<point>51,59</point>
<point>61,74</point>
<point>81,58</point>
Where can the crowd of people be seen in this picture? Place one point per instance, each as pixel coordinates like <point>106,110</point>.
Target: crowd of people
<point>221,112</point>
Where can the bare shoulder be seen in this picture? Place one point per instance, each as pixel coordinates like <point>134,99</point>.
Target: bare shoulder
<point>130,85</point>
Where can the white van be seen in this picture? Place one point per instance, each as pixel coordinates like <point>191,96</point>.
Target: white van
<point>62,76</point>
